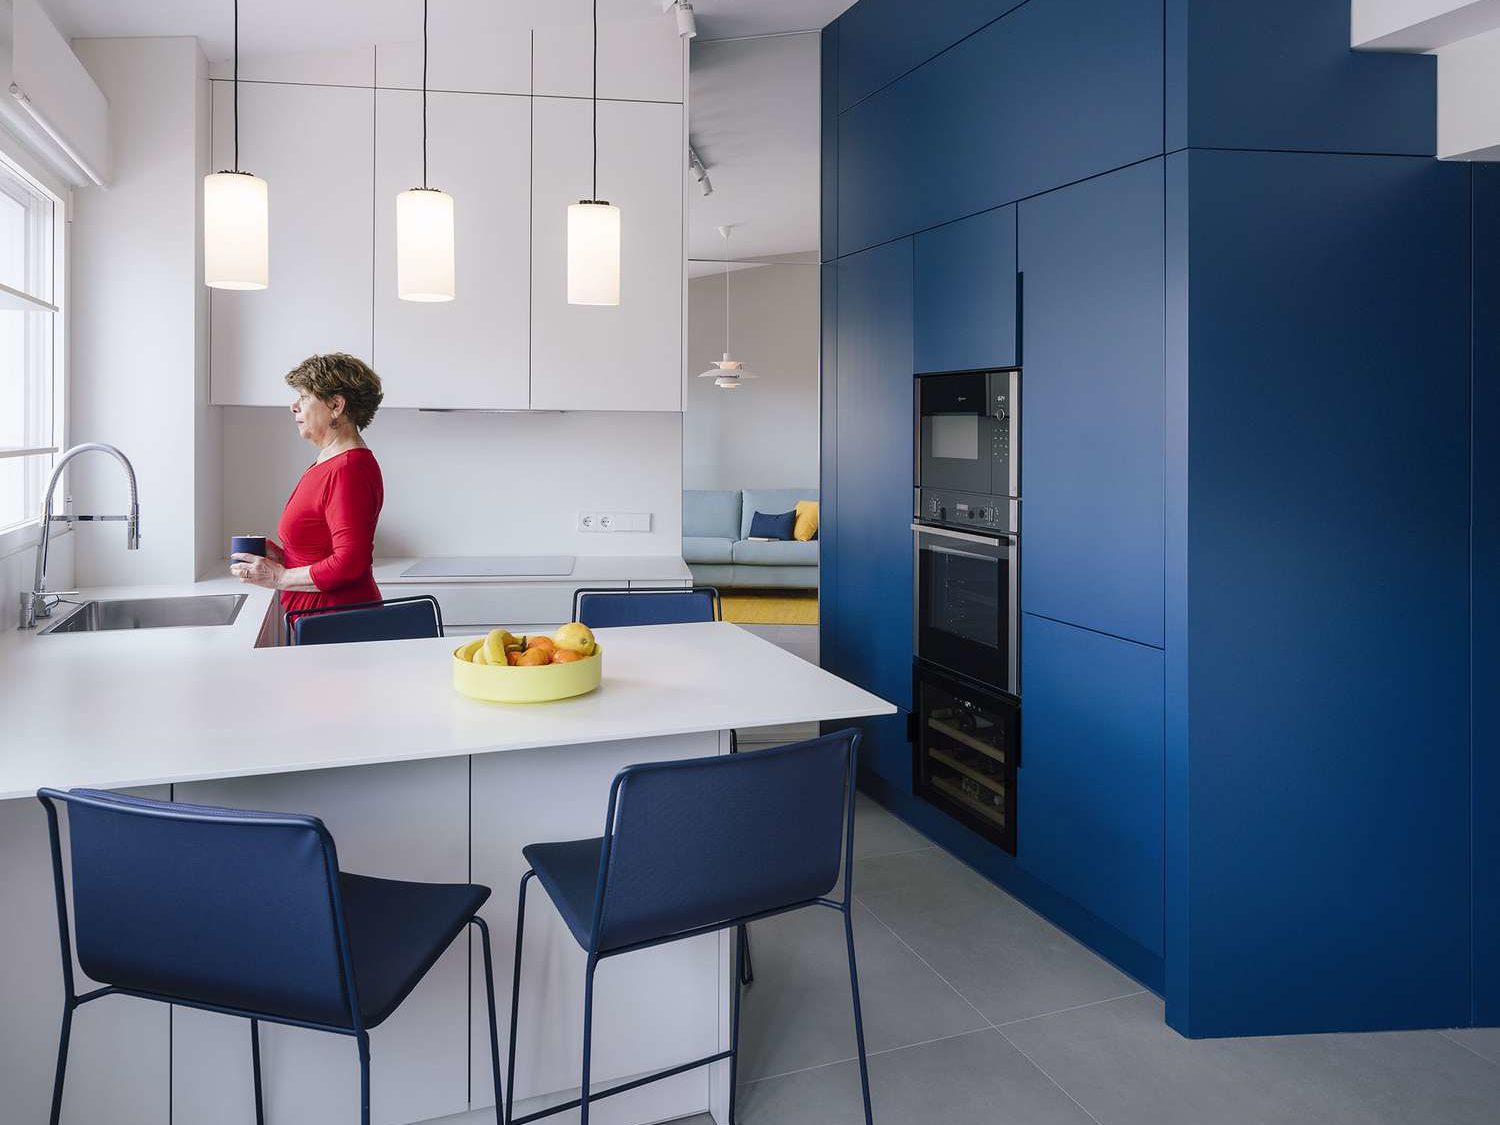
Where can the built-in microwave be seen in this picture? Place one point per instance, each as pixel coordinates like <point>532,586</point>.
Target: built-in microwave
<point>968,431</point>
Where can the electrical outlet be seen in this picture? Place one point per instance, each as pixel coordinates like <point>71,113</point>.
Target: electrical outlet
<point>588,521</point>
<point>606,522</point>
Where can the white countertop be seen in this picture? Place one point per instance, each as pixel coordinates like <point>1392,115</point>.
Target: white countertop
<point>586,569</point>
<point>149,707</point>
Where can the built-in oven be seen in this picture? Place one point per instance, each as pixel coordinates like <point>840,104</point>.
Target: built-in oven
<point>968,426</point>
<point>966,750</point>
<point>967,611</point>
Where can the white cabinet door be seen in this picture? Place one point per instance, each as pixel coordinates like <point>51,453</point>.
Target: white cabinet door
<point>626,357</point>
<point>315,147</point>
<point>474,351</point>
<point>476,45</point>
<point>641,58</point>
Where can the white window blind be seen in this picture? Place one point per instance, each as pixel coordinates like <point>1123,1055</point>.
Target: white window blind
<point>31,396</point>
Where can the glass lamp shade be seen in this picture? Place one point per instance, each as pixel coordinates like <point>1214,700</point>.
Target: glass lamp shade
<point>236,236</point>
<point>593,253</point>
<point>424,245</point>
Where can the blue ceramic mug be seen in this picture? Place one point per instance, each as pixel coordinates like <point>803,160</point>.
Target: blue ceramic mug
<point>248,545</point>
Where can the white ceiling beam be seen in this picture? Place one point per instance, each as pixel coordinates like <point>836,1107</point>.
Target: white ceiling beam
<point>1419,25</point>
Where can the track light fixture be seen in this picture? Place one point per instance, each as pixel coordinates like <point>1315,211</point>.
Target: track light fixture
<point>687,23</point>
<point>699,171</point>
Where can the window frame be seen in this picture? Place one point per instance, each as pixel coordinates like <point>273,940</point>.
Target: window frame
<point>16,153</point>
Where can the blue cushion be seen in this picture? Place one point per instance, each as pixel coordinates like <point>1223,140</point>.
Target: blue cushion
<point>713,514</point>
<point>771,500</point>
<point>569,873</point>
<point>765,525</point>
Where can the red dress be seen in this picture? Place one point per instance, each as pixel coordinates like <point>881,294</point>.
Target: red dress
<point>329,525</point>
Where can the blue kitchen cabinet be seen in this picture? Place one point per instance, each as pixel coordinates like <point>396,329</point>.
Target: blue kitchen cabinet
<point>1092,420</point>
<point>833,630</point>
<point>1486,587</point>
<point>869,639</point>
<point>965,289</point>
<point>1279,74</point>
<point>883,39</point>
<point>1324,685</point>
<point>828,157</point>
<point>1090,791</point>
<point>1048,94</point>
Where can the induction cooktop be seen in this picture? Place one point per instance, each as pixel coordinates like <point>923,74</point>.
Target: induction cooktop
<point>491,566</point>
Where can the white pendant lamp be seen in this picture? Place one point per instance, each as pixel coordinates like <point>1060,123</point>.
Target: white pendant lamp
<point>594,228</point>
<point>727,373</point>
<point>236,226</point>
<point>424,225</point>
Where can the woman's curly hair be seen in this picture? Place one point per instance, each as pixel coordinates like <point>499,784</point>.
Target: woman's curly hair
<point>337,373</point>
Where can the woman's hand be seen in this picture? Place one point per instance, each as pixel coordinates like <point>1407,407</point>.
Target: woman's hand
<point>258,571</point>
<point>275,553</point>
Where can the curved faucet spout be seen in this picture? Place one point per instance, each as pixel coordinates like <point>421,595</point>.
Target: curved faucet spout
<point>34,603</point>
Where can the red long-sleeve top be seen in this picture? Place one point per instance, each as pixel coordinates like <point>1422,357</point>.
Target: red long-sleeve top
<point>329,525</point>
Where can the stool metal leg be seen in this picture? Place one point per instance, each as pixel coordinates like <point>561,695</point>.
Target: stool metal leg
<point>364,1078</point>
<point>736,1002</point>
<point>260,1105</point>
<point>62,1059</point>
<point>515,998</point>
<point>588,1037</point>
<point>489,995</point>
<point>747,970</point>
<point>859,1023</point>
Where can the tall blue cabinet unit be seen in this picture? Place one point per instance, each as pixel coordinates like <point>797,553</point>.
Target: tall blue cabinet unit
<point>1260,383</point>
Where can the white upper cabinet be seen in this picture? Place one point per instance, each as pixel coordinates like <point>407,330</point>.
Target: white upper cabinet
<point>625,357</point>
<point>474,351</point>
<point>640,59</point>
<point>474,45</point>
<point>314,145</point>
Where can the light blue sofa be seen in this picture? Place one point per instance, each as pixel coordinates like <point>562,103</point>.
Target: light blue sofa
<point>717,547</point>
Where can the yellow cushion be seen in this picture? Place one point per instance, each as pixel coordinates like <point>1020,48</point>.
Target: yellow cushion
<point>807,520</point>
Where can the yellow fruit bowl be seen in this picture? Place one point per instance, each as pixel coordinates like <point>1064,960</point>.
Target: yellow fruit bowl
<point>545,683</point>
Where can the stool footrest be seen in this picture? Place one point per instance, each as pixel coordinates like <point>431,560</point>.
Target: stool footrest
<point>621,1088</point>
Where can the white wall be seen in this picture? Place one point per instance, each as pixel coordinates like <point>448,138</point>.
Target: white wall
<point>138,376</point>
<point>1469,98</point>
<point>474,483</point>
<point>765,434</point>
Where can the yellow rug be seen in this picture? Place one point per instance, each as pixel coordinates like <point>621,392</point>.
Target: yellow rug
<point>771,608</point>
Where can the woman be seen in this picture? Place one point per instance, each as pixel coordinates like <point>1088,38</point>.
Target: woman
<point>327,530</point>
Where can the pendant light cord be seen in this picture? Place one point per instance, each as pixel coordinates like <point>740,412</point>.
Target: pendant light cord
<point>595,192</point>
<point>726,291</point>
<point>236,85</point>
<point>424,93</point>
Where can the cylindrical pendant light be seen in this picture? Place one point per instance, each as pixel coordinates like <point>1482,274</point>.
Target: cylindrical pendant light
<point>236,220</point>
<point>594,228</point>
<point>424,225</point>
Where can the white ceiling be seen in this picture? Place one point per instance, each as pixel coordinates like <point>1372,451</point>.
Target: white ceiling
<point>753,119</point>
<point>277,26</point>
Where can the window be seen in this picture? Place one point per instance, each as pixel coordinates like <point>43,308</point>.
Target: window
<point>31,398</point>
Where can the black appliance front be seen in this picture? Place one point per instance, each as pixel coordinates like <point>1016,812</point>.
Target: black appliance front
<point>967,426</point>
<point>966,605</point>
<point>965,753</point>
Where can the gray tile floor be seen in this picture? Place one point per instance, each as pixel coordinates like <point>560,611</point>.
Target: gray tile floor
<point>979,1012</point>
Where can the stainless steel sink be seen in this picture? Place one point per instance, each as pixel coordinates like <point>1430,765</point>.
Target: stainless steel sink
<point>149,613</point>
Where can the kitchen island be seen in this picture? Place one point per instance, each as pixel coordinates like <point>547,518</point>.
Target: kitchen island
<point>414,782</point>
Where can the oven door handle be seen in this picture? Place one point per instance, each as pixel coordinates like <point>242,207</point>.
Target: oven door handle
<point>967,537</point>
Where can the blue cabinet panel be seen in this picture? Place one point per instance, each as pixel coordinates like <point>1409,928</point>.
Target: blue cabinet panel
<point>1328,587</point>
<point>1049,94</point>
<point>1486,732</point>
<point>966,293</point>
<point>1279,74</point>
<point>1089,797</point>
<point>832,626</point>
<point>1092,435</point>
<point>829,143</point>
<point>886,38</point>
<point>872,578</point>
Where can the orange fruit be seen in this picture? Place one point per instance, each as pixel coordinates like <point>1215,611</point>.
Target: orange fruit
<point>512,656</point>
<point>531,658</point>
<point>543,643</point>
<point>566,656</point>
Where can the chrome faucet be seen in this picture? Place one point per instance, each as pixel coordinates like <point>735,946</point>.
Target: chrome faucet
<point>35,602</point>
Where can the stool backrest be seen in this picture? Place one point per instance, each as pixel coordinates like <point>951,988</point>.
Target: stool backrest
<point>396,619</point>
<point>217,907</point>
<point>671,605</point>
<point>698,843</point>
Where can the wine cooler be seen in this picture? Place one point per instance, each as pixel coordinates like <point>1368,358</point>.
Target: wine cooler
<point>966,749</point>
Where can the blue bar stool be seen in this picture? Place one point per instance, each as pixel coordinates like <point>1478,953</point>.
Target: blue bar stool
<point>693,847</point>
<point>395,619</point>
<point>660,605</point>
<point>651,605</point>
<point>247,914</point>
